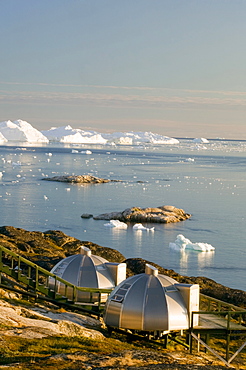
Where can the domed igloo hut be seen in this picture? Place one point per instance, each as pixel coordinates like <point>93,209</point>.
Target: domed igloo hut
<point>151,302</point>
<point>88,271</point>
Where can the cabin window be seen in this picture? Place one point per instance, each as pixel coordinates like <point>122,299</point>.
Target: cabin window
<point>170,288</point>
<point>121,292</point>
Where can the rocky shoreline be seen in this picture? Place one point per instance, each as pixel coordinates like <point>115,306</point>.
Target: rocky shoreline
<point>47,248</point>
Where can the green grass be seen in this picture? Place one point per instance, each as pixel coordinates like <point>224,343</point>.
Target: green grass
<point>14,349</point>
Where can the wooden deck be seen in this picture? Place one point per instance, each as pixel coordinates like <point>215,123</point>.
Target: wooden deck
<point>227,324</point>
<point>212,322</point>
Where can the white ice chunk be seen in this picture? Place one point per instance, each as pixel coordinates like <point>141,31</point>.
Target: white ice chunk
<point>116,223</point>
<point>141,227</point>
<point>200,140</point>
<point>182,243</point>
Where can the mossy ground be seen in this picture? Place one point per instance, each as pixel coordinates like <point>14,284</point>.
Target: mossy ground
<point>112,352</point>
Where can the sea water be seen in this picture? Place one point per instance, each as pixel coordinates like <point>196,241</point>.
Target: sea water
<point>208,182</point>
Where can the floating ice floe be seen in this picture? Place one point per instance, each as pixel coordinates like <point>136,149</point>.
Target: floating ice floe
<point>116,223</point>
<point>74,151</point>
<point>181,243</point>
<point>141,227</point>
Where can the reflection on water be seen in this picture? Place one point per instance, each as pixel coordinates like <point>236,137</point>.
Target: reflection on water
<point>201,259</point>
<point>207,187</point>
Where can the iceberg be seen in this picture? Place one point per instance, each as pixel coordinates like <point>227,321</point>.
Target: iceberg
<point>116,223</point>
<point>201,140</point>
<point>135,138</point>
<point>141,227</point>
<point>21,131</point>
<point>181,243</point>
<point>3,139</point>
<point>67,134</point>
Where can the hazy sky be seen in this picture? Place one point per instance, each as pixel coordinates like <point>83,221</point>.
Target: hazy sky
<point>174,67</point>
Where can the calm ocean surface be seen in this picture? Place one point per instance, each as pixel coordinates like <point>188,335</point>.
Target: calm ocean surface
<point>208,183</point>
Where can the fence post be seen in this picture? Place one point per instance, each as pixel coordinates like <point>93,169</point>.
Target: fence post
<point>191,330</point>
<point>228,335</point>
<point>19,269</point>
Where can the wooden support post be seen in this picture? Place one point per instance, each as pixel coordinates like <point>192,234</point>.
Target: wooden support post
<point>190,343</point>
<point>36,278</point>
<point>198,343</point>
<point>207,337</point>
<point>165,341</point>
<point>227,346</point>
<point>228,336</point>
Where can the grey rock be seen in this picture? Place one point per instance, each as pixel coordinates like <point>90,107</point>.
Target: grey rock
<point>86,215</point>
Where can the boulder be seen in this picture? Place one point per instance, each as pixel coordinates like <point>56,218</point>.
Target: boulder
<point>162,214</point>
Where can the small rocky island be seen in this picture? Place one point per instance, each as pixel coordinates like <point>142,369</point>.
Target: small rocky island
<point>162,214</point>
<point>80,179</point>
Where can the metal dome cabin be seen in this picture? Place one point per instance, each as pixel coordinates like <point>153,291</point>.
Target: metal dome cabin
<point>150,302</point>
<point>88,271</point>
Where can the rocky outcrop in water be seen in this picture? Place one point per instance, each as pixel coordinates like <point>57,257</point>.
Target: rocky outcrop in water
<point>81,179</point>
<point>162,214</point>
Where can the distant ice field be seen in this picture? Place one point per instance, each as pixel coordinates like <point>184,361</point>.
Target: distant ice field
<point>205,179</point>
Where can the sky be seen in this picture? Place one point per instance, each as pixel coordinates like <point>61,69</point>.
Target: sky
<point>173,67</point>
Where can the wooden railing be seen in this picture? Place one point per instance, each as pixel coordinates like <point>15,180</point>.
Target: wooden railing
<point>38,280</point>
<point>213,305</point>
